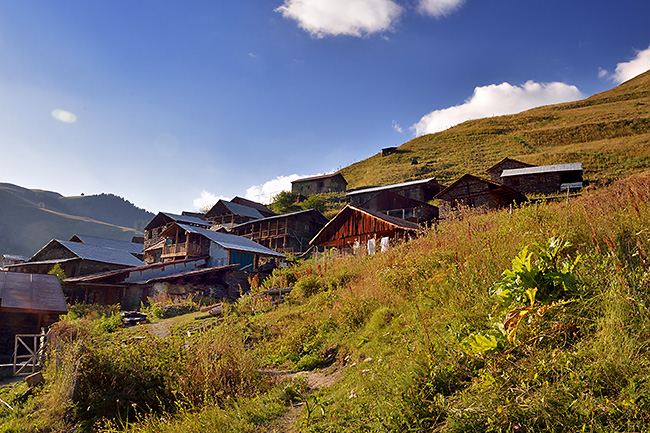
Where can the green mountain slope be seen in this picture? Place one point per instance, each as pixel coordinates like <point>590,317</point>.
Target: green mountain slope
<point>30,218</point>
<point>609,132</point>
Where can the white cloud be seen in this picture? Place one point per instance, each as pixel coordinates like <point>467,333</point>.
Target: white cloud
<point>397,127</point>
<point>206,199</point>
<point>64,116</point>
<point>265,192</point>
<point>342,17</point>
<point>627,70</point>
<point>496,100</point>
<point>438,8</point>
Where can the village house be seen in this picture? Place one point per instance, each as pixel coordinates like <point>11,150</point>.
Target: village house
<point>422,190</point>
<point>184,241</point>
<point>153,241</point>
<point>226,214</point>
<point>287,233</point>
<point>475,192</point>
<point>356,230</point>
<point>133,286</point>
<point>76,258</point>
<point>28,302</point>
<point>319,184</point>
<point>11,259</point>
<point>506,163</point>
<point>545,179</point>
<point>265,211</point>
<point>397,205</point>
<point>135,248</point>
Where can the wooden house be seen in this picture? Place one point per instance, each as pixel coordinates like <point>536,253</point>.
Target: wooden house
<point>76,259</point>
<point>475,192</point>
<point>545,179</point>
<point>319,184</point>
<point>183,242</point>
<point>28,303</point>
<point>265,211</point>
<point>11,259</point>
<point>397,205</point>
<point>132,286</point>
<point>134,248</point>
<point>153,242</point>
<point>226,214</point>
<point>355,228</point>
<point>505,164</point>
<point>288,233</point>
<point>422,190</point>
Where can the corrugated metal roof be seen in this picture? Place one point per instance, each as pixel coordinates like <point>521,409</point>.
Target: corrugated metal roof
<point>286,215</point>
<point>232,242</point>
<point>576,166</point>
<point>100,254</point>
<point>397,185</point>
<point>14,257</point>
<point>186,219</point>
<point>131,247</point>
<point>240,209</point>
<point>32,293</point>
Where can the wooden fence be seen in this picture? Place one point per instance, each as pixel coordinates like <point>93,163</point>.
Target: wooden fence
<point>29,350</point>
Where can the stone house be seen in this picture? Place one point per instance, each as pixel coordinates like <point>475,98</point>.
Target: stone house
<point>545,179</point>
<point>319,184</point>
<point>475,192</point>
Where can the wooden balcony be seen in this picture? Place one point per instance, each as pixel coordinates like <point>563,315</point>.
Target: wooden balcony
<point>186,250</point>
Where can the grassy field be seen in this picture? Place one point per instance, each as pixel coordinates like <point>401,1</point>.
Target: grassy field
<point>430,336</point>
<point>608,132</point>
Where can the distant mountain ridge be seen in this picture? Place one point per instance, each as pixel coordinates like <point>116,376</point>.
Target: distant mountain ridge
<point>29,218</point>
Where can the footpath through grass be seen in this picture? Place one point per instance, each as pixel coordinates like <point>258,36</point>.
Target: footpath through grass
<point>430,336</point>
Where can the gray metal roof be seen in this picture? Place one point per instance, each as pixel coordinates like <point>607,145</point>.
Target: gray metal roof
<point>285,215</point>
<point>187,219</point>
<point>31,293</point>
<point>397,185</point>
<point>576,166</point>
<point>131,247</point>
<point>240,209</point>
<point>14,257</point>
<point>101,254</point>
<point>232,242</point>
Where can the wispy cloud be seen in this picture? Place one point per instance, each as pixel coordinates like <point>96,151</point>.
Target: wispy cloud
<point>628,70</point>
<point>64,116</point>
<point>496,100</point>
<point>397,127</point>
<point>438,8</point>
<point>342,17</point>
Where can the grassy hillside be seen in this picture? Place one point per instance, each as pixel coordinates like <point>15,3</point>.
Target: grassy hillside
<point>608,132</point>
<point>30,218</point>
<point>430,336</point>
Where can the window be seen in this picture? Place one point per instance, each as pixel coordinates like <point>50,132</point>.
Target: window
<point>541,178</point>
<point>514,181</point>
<point>471,201</point>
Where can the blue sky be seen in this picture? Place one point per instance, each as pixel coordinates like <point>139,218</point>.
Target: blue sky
<point>173,105</point>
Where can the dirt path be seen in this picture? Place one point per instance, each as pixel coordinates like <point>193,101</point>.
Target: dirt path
<point>315,381</point>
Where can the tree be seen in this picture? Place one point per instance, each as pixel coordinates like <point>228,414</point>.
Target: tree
<point>284,202</point>
<point>315,201</point>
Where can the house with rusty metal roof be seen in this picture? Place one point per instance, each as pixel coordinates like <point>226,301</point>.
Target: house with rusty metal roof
<point>28,302</point>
